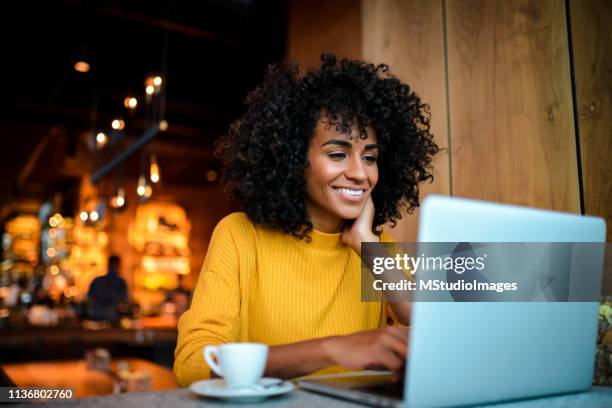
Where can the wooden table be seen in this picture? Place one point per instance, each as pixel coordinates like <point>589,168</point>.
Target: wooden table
<point>85,383</point>
<point>598,397</point>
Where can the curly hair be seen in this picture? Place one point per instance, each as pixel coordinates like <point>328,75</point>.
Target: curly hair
<point>265,151</point>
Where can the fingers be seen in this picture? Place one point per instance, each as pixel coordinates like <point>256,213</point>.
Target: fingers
<point>393,348</point>
<point>397,346</point>
<point>398,332</point>
<point>366,216</point>
<point>368,211</point>
<point>390,360</point>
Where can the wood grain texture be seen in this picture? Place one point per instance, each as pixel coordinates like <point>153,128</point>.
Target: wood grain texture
<point>408,36</point>
<point>321,26</point>
<point>591,24</point>
<point>512,130</point>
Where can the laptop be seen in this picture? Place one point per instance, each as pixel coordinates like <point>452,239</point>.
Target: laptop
<point>464,353</point>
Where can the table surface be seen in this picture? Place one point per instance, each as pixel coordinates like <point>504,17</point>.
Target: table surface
<point>85,383</point>
<point>598,397</point>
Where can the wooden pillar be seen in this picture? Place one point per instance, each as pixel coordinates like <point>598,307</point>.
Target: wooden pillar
<point>592,48</point>
<point>409,37</point>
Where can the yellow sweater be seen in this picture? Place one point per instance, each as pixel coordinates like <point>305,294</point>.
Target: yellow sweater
<point>261,285</point>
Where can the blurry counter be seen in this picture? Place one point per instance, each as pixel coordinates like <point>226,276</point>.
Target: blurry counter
<point>84,382</point>
<point>146,331</point>
<point>154,342</point>
<point>31,336</point>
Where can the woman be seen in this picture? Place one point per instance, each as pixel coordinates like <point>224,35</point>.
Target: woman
<point>318,164</point>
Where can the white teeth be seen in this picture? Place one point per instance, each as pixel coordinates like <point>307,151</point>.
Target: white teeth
<point>350,192</point>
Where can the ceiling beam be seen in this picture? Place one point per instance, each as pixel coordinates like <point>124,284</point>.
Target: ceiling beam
<point>168,25</point>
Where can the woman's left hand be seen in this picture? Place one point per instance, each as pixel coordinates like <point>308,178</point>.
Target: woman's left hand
<point>361,229</point>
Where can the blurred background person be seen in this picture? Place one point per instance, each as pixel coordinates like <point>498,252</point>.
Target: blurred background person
<point>107,293</point>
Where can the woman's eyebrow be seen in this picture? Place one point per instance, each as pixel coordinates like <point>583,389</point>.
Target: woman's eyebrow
<point>338,142</point>
<point>349,144</point>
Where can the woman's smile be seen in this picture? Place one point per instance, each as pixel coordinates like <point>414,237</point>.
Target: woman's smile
<point>351,194</point>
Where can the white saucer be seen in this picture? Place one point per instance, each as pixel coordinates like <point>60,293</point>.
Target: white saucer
<point>216,389</point>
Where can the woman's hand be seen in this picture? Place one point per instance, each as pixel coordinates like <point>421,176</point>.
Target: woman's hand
<point>373,349</point>
<point>361,229</point>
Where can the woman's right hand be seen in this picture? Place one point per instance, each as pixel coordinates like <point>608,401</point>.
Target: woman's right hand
<point>373,349</point>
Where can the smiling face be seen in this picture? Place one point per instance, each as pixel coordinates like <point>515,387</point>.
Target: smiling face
<point>341,174</point>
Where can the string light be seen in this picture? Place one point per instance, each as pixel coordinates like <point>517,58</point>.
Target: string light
<point>118,124</point>
<point>94,216</point>
<point>153,84</point>
<point>140,190</point>
<point>130,102</point>
<point>84,216</point>
<point>101,140</point>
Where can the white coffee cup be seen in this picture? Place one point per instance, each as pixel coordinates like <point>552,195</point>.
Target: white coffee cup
<point>240,364</point>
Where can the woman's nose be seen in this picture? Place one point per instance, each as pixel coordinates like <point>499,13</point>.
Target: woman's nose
<point>355,169</point>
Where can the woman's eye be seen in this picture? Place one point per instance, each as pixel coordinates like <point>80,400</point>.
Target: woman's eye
<point>370,159</point>
<point>337,156</point>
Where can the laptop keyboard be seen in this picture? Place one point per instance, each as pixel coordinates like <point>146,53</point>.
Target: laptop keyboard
<point>391,390</point>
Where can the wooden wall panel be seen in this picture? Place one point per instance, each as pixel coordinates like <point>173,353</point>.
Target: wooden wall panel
<point>511,118</point>
<point>591,22</point>
<point>318,26</point>
<point>408,36</point>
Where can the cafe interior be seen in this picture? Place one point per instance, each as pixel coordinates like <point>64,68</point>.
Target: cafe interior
<point>109,150</point>
<point>111,110</point>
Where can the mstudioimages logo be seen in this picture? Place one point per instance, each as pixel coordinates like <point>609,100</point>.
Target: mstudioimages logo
<point>462,285</point>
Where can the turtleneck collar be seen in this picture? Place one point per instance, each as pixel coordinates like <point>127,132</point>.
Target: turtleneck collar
<point>325,240</point>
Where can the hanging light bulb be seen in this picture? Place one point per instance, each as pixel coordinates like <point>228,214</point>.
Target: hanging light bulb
<point>82,61</point>
<point>118,200</point>
<point>154,169</point>
<point>81,66</point>
<point>142,182</point>
<point>101,140</point>
<point>120,197</point>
